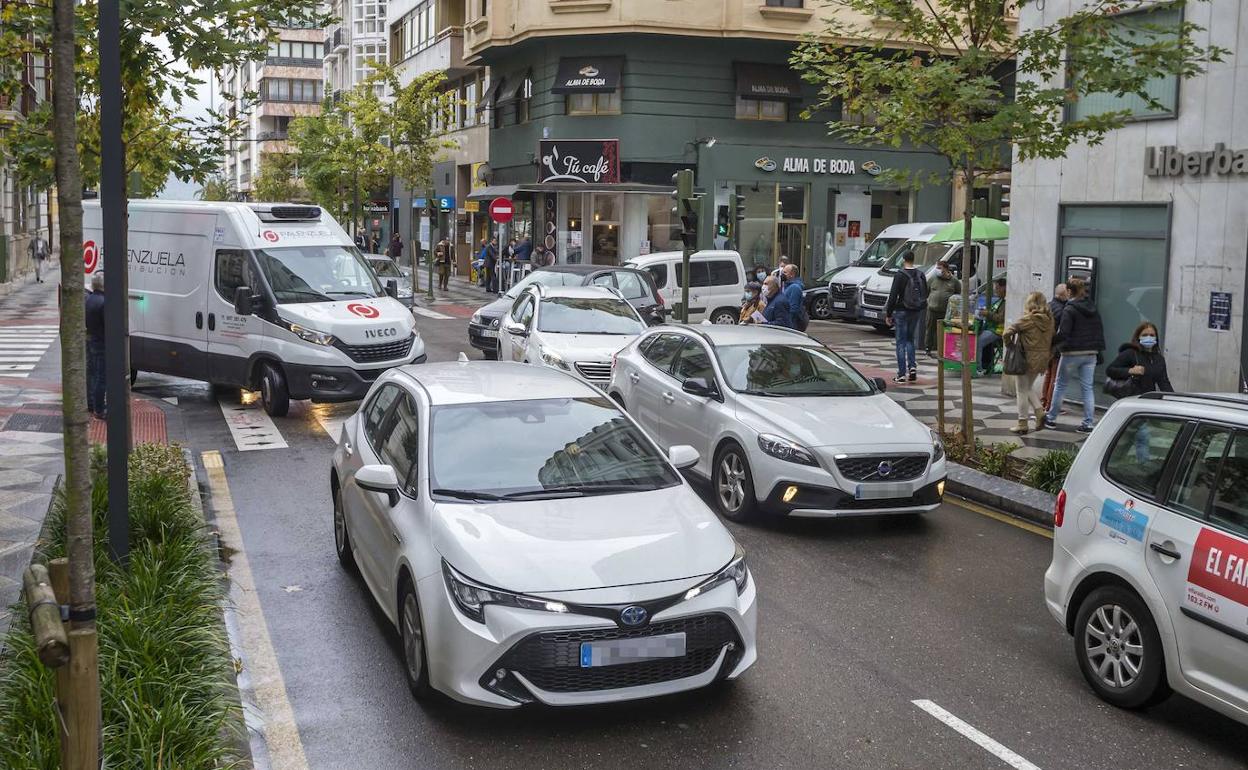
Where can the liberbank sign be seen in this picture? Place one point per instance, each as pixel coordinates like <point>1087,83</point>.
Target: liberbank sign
<point>1170,161</point>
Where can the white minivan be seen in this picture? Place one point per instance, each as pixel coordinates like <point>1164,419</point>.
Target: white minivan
<point>265,296</point>
<point>843,288</point>
<point>714,293</point>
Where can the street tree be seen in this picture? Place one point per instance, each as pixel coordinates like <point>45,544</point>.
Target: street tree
<point>954,77</point>
<point>216,188</point>
<point>278,178</point>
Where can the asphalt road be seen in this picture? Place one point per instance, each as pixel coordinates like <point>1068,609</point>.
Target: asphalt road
<point>858,620</point>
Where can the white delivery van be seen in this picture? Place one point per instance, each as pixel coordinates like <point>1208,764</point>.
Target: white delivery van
<point>715,291</point>
<point>873,295</point>
<point>265,296</point>
<point>843,288</point>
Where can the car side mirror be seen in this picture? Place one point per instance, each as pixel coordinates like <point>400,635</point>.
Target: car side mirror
<point>698,386</point>
<point>683,456</point>
<point>879,384</point>
<point>516,329</point>
<point>380,479</point>
<point>392,288</point>
<point>244,301</point>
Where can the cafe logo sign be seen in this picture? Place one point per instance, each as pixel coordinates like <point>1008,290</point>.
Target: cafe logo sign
<point>591,161</point>
<point>1169,161</point>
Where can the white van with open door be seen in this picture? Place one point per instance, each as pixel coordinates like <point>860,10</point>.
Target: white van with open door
<point>265,296</point>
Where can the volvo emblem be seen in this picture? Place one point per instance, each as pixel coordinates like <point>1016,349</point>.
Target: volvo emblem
<point>633,615</point>
<point>885,469</point>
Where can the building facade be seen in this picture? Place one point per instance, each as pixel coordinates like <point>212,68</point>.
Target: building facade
<point>288,83</point>
<point>25,211</point>
<point>594,105</point>
<point>1160,207</point>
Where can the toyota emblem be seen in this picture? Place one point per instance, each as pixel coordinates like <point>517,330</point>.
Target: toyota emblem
<point>885,469</point>
<point>633,615</point>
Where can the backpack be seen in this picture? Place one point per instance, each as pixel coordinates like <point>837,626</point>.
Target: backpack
<point>802,319</point>
<point>914,297</point>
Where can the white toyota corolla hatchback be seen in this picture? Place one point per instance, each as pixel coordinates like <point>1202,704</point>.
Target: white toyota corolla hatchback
<point>531,543</point>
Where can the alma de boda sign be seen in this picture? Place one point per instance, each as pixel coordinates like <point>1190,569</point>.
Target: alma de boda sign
<point>579,160</point>
<point>1169,161</point>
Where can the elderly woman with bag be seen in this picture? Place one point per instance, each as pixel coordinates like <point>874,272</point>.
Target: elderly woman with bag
<point>1028,342</point>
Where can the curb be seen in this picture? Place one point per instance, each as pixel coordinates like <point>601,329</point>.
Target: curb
<point>1013,498</point>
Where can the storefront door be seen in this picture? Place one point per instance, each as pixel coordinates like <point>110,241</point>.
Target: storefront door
<point>791,243</point>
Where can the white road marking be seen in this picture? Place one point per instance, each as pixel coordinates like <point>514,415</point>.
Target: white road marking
<point>427,313</point>
<point>975,736</point>
<point>171,399</point>
<point>21,347</point>
<point>251,427</point>
<point>281,731</point>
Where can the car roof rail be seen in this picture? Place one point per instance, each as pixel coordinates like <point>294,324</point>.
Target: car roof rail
<point>1230,400</point>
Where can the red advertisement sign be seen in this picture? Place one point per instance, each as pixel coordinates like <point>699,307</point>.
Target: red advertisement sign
<point>1220,565</point>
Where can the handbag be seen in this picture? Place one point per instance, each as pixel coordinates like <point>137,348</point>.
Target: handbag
<point>1015,361</point>
<point>1116,388</point>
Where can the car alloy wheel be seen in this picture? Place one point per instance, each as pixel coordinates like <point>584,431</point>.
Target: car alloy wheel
<point>342,540</point>
<point>412,634</point>
<point>821,308</point>
<point>1118,648</point>
<point>733,488</point>
<point>1113,645</point>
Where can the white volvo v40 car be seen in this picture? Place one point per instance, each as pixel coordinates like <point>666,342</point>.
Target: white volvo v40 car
<point>781,424</point>
<point>574,328</point>
<point>531,543</point>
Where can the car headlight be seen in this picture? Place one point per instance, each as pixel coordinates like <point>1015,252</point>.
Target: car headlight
<point>309,335</point>
<point>551,358</point>
<point>784,449</point>
<point>476,319</point>
<point>471,597</point>
<point>938,447</point>
<point>736,571</point>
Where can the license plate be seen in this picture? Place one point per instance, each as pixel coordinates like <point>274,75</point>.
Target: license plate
<point>838,305</point>
<point>616,652</point>
<point>882,491</point>
<point>489,334</point>
<point>870,314</point>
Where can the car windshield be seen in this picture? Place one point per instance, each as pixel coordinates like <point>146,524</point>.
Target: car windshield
<point>789,370</point>
<point>541,449</point>
<point>588,315</point>
<point>877,253</point>
<point>386,269</point>
<point>925,254</point>
<point>546,278</point>
<point>317,273</point>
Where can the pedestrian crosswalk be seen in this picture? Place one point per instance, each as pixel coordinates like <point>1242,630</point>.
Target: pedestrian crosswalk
<point>21,347</point>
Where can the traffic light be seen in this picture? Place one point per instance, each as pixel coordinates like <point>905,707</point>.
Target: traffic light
<point>721,222</point>
<point>736,215</point>
<point>999,201</point>
<point>686,208</point>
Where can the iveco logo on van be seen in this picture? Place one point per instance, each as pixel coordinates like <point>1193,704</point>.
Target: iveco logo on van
<point>157,262</point>
<point>379,333</point>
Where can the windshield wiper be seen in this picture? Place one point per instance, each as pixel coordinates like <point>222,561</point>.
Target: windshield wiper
<point>351,293</point>
<point>303,293</point>
<point>762,393</point>
<point>465,494</point>
<point>576,490</point>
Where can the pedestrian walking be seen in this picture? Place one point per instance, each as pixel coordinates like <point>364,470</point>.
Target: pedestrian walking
<point>906,300</point>
<point>776,309</point>
<point>942,286</point>
<point>794,294</point>
<point>752,305</point>
<point>1060,295</point>
<point>1140,367</point>
<point>361,242</point>
<point>95,348</point>
<point>395,249</point>
<point>1033,332</point>
<point>38,253</point>
<point>374,244</point>
<point>993,323</point>
<point>442,259</point>
<point>1081,339</point>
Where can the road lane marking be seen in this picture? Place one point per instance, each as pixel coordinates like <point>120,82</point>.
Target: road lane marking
<point>1027,526</point>
<point>427,313</point>
<point>281,732</point>
<point>975,736</point>
<point>251,428</point>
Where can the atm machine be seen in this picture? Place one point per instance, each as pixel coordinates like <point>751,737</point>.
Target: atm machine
<point>1084,268</point>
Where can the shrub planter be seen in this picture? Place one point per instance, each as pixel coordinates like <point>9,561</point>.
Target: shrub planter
<point>1015,499</point>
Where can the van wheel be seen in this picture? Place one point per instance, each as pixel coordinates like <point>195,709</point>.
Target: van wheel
<point>725,316</point>
<point>412,634</point>
<point>732,485</point>
<point>273,393</point>
<point>1119,650</point>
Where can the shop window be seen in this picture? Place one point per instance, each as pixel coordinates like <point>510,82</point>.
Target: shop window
<point>1163,89</point>
<point>571,235</point>
<point>594,104</point>
<point>762,109</point>
<point>662,226</point>
<point>605,233</point>
<point>792,202</point>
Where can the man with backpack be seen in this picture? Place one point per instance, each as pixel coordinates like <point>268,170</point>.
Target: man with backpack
<point>793,294</point>
<point>906,301</point>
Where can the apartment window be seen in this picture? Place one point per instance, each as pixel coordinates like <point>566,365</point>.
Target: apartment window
<point>761,109</point>
<point>368,17</point>
<point>784,3</point>
<point>415,31</point>
<point>524,99</point>
<point>594,104</point>
<point>1164,90</point>
<point>366,54</point>
<point>288,49</point>
<point>468,104</point>
<point>290,90</point>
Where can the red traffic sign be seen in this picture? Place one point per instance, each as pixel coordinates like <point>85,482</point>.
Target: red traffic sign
<point>501,210</point>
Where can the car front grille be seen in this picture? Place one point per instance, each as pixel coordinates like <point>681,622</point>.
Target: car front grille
<point>842,292</point>
<point>552,660</point>
<point>900,467</point>
<point>873,299</point>
<point>386,351</point>
<point>600,372</point>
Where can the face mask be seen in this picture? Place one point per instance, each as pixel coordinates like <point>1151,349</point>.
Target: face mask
<point>760,275</point>
<point>748,296</point>
<point>766,292</point>
<point>1148,341</point>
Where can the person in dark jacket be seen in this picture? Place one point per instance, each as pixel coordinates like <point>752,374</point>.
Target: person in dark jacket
<point>395,250</point>
<point>1060,296</point>
<point>794,294</point>
<point>902,311</point>
<point>1141,360</point>
<point>491,265</point>
<point>95,347</point>
<point>777,310</point>
<point>1081,339</point>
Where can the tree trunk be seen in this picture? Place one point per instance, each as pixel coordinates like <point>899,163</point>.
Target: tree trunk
<point>968,411</point>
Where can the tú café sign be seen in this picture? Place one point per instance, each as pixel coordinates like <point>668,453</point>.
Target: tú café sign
<point>1169,161</point>
<point>579,160</point>
<point>818,166</point>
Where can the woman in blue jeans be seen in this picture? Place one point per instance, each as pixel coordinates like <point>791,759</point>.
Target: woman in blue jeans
<point>1080,338</point>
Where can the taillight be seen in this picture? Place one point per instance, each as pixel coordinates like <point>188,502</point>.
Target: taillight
<point>1059,509</point>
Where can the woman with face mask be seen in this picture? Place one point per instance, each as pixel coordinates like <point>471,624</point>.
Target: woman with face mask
<point>1141,361</point>
<point>751,303</point>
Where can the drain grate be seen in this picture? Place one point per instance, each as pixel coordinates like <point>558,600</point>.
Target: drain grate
<point>37,421</point>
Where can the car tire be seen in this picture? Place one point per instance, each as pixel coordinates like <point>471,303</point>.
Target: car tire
<point>882,328</point>
<point>821,308</point>
<point>725,316</point>
<point>1115,633</point>
<point>273,393</point>
<point>412,638</point>
<point>732,485</point>
<point>342,537</point>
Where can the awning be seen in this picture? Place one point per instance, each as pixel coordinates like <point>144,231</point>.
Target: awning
<point>487,98</point>
<point>774,82</point>
<point>494,191</point>
<point>588,75</point>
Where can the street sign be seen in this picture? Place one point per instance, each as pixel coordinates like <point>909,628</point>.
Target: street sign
<point>501,210</point>
<point>446,203</point>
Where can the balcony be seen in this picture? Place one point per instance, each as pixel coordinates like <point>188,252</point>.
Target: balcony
<point>446,52</point>
<point>335,40</point>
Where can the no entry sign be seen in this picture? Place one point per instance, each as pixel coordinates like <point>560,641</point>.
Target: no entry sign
<point>501,210</point>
